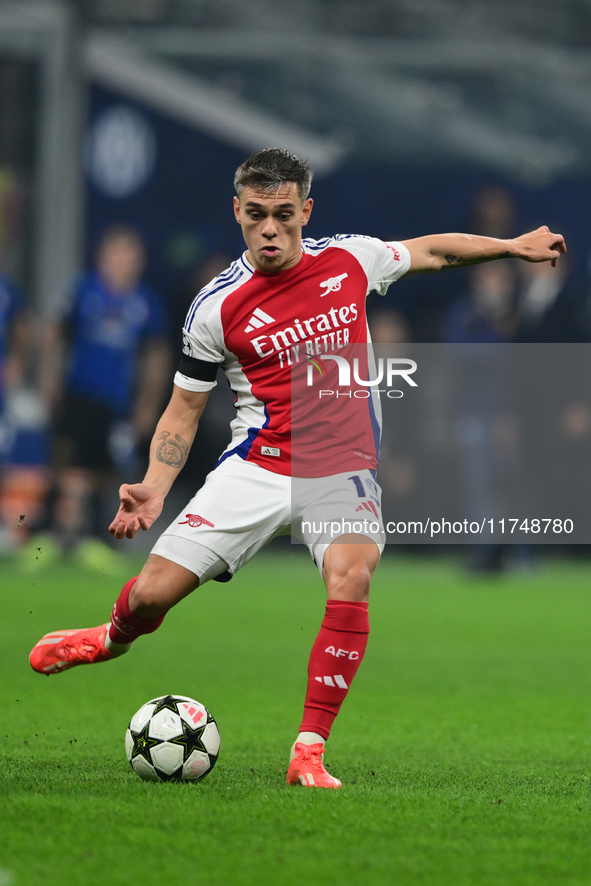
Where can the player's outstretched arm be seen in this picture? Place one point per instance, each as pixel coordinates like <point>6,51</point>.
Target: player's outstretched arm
<point>438,251</point>
<point>141,503</point>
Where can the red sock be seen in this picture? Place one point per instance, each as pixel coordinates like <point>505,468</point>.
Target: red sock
<point>125,626</point>
<point>335,658</point>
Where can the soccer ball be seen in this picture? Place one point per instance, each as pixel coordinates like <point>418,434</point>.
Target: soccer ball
<point>172,738</point>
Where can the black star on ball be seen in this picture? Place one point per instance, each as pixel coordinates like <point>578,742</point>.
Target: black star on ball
<point>190,740</point>
<point>168,703</point>
<point>142,743</point>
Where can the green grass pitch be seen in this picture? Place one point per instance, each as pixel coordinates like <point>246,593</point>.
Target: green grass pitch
<point>464,746</point>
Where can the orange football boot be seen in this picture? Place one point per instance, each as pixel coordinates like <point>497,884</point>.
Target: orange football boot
<point>61,650</point>
<point>307,767</point>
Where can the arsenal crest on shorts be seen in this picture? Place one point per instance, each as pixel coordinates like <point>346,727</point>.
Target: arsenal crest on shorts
<point>195,520</point>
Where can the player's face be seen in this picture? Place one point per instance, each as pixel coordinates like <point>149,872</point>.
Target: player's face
<point>272,223</point>
<point>121,262</point>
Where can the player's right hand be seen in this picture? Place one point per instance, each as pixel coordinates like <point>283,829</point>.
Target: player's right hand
<point>140,506</point>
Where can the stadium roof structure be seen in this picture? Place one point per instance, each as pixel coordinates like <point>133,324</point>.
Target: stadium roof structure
<point>488,83</point>
<point>122,65</point>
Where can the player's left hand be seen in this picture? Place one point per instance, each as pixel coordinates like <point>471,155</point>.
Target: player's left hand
<point>540,245</point>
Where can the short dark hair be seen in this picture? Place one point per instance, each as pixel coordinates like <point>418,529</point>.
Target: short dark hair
<point>271,168</point>
<point>120,231</point>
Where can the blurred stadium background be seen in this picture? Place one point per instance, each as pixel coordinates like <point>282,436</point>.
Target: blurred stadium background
<point>472,709</point>
<point>138,111</point>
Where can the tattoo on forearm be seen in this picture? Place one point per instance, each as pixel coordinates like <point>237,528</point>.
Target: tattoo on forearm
<point>172,451</point>
<point>459,260</point>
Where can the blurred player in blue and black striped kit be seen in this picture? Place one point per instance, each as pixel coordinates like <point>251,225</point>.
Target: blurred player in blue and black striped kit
<point>108,329</point>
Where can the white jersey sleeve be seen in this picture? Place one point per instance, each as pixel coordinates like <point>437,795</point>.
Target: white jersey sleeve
<point>383,262</point>
<point>202,346</point>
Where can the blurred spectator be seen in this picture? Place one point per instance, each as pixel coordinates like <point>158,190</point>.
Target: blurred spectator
<point>486,313</point>
<point>485,426</point>
<point>493,212</point>
<point>109,329</point>
<point>549,306</point>
<point>13,337</point>
<point>555,391</point>
<point>15,488</point>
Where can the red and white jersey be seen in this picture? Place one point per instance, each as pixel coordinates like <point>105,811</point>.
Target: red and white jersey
<point>260,327</point>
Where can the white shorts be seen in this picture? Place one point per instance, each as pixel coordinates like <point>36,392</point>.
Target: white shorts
<point>242,506</point>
